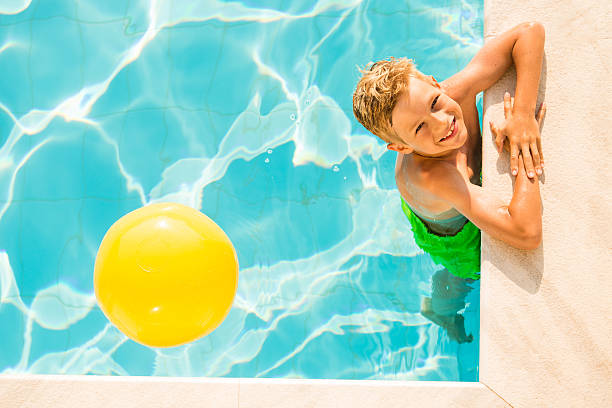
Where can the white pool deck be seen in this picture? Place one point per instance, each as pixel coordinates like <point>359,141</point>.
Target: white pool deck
<point>546,330</point>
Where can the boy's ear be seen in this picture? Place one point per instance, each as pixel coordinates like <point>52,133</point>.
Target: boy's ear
<point>400,149</point>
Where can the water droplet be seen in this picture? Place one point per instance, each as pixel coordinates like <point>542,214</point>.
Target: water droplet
<point>269,151</point>
<point>267,160</point>
<point>345,177</point>
<point>292,116</point>
<point>336,169</point>
<point>307,101</point>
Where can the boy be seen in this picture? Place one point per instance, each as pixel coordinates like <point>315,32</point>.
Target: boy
<point>435,130</point>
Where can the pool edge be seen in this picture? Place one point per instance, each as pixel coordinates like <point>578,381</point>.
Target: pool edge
<point>99,391</point>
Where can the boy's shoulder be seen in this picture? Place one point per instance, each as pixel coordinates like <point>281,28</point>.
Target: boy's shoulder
<point>459,87</point>
<point>424,175</point>
<point>431,184</point>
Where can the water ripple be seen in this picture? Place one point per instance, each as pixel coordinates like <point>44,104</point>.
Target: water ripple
<point>241,112</point>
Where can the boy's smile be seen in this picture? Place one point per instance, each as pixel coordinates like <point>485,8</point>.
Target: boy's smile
<point>427,121</point>
<point>452,131</point>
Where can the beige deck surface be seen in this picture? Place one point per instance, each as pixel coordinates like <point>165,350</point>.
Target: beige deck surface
<point>546,338</point>
<point>546,326</point>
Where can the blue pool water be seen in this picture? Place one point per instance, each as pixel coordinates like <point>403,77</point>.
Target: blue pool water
<point>242,112</point>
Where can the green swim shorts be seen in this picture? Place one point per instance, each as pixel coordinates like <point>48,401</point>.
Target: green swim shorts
<point>459,253</point>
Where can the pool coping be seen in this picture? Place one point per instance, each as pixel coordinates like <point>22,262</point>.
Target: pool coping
<point>544,337</point>
<point>98,391</point>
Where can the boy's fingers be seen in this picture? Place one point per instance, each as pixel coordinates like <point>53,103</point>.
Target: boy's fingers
<point>527,160</point>
<point>492,127</point>
<point>536,158</point>
<point>540,118</point>
<point>514,159</point>
<point>499,141</point>
<point>499,137</point>
<point>540,150</point>
<point>507,105</point>
<point>541,113</point>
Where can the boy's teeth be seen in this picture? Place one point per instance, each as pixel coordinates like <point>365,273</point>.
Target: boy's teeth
<point>450,131</point>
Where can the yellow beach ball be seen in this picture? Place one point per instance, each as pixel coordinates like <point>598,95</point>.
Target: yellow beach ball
<point>165,275</point>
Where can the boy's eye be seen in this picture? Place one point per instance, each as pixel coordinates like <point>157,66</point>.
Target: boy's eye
<point>433,104</point>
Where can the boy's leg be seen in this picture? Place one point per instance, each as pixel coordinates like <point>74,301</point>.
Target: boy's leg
<point>448,297</point>
<point>448,293</point>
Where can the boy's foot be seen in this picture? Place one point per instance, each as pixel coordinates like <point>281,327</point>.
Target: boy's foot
<point>456,330</point>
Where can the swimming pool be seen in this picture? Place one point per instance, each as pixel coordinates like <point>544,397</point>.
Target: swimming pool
<point>244,113</point>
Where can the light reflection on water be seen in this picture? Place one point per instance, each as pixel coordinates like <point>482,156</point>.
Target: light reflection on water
<point>244,113</point>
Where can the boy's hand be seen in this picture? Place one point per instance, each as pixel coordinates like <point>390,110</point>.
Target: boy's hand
<point>523,133</point>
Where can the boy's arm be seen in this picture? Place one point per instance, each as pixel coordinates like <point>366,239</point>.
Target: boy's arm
<point>523,45</point>
<point>518,224</point>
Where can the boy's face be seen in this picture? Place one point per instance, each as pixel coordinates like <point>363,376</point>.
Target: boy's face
<point>427,121</point>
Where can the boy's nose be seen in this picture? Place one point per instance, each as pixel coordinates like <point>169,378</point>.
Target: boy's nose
<point>440,122</point>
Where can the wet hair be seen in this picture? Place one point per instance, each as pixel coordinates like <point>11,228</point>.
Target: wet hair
<point>377,93</point>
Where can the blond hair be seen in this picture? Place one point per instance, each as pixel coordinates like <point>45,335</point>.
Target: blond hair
<point>377,93</point>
